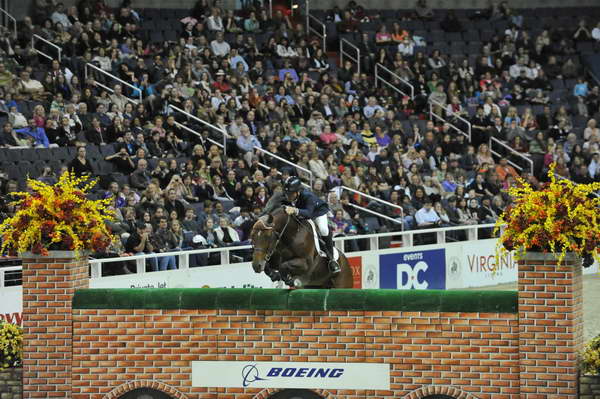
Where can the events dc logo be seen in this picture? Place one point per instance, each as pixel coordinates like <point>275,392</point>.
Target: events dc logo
<point>419,270</point>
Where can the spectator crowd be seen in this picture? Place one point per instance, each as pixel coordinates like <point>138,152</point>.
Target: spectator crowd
<point>273,96</point>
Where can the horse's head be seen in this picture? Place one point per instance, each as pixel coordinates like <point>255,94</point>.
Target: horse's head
<point>262,236</point>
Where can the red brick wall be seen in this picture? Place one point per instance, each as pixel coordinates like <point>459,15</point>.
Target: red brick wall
<point>550,326</point>
<point>477,352</point>
<point>48,288</point>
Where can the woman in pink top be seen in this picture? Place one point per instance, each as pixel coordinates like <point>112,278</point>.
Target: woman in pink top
<point>328,137</point>
<point>383,37</point>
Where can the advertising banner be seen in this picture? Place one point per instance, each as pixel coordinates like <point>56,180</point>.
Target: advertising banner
<point>478,267</point>
<point>237,275</point>
<point>11,305</point>
<point>224,374</point>
<point>419,270</point>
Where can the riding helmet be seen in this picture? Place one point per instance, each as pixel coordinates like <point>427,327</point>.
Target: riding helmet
<point>292,185</point>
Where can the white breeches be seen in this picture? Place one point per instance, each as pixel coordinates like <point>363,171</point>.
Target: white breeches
<point>322,225</point>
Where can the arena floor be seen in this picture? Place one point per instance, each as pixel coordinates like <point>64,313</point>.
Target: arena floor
<point>591,299</point>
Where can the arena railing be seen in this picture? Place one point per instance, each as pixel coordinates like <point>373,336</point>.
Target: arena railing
<point>11,275</point>
<point>374,243</point>
<point>136,91</point>
<point>311,19</point>
<point>512,152</point>
<point>7,17</point>
<point>203,122</point>
<point>433,114</point>
<point>379,200</point>
<point>226,135</point>
<point>379,78</point>
<point>344,53</point>
<point>35,38</point>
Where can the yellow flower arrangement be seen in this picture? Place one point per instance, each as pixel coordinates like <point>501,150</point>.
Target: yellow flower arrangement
<point>590,356</point>
<point>11,345</point>
<point>57,217</point>
<point>562,217</point>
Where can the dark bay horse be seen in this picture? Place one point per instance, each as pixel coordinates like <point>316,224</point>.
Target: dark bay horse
<point>285,245</point>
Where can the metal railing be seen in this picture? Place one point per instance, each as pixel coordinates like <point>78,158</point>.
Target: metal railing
<point>511,152</point>
<point>396,81</point>
<point>344,53</point>
<point>290,163</point>
<point>433,114</point>
<point>11,275</point>
<point>7,17</point>
<point>379,200</point>
<point>110,75</point>
<point>319,26</point>
<point>35,38</point>
<point>207,124</point>
<point>374,240</point>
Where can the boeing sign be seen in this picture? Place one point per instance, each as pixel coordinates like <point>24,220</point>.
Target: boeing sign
<point>222,374</point>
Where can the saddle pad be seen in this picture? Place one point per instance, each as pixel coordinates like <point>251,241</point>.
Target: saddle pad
<point>336,254</point>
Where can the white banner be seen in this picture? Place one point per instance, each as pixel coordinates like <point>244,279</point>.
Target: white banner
<point>222,374</point>
<point>238,275</point>
<point>11,304</point>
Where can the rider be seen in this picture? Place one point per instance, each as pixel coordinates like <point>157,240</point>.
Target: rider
<point>308,206</point>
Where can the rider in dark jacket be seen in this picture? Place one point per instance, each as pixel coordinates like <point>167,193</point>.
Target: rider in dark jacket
<point>307,205</point>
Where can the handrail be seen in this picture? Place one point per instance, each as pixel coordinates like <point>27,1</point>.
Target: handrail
<point>7,14</point>
<point>135,89</point>
<point>210,125</point>
<point>309,172</point>
<point>226,135</point>
<point>344,53</point>
<point>375,199</point>
<point>322,35</point>
<point>513,152</point>
<point>385,81</point>
<point>38,37</point>
<point>432,114</point>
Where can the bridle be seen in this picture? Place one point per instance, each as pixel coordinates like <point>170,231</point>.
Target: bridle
<point>274,244</point>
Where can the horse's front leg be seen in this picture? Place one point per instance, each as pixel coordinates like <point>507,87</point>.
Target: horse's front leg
<point>294,272</point>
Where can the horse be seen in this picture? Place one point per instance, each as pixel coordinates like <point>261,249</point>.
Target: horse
<point>284,248</point>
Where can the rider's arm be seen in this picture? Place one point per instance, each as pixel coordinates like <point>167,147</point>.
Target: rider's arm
<point>309,209</point>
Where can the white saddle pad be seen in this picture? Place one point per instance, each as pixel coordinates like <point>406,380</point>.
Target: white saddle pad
<point>336,254</point>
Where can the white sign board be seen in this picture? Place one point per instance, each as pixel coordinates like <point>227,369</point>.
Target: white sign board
<point>222,374</point>
<point>237,275</point>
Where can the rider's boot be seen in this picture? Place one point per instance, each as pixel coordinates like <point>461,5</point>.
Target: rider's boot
<point>334,267</point>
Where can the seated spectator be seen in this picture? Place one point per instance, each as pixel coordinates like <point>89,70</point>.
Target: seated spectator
<point>427,217</point>
<point>139,243</point>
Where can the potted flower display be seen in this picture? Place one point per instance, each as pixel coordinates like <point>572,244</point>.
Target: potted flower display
<point>11,345</point>
<point>590,367</point>
<point>57,217</point>
<point>563,217</point>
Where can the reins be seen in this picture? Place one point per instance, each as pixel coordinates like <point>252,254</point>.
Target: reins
<point>272,248</point>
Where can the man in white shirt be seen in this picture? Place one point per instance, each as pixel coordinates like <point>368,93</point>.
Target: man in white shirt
<point>371,107</point>
<point>219,46</point>
<point>426,217</point>
<point>118,98</point>
<point>59,16</point>
<point>515,70</point>
<point>596,33</point>
<point>30,88</point>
